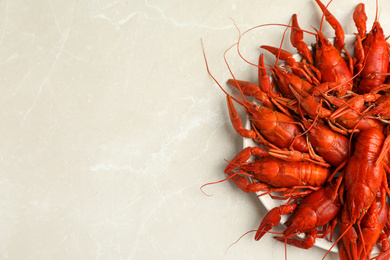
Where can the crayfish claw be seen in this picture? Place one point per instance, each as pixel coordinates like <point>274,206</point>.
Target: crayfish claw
<point>272,219</point>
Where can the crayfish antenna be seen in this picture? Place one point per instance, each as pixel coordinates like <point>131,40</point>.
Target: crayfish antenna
<point>281,43</point>
<point>259,26</point>
<point>227,65</point>
<point>216,182</point>
<point>376,11</point>
<point>250,231</point>
<point>246,233</point>
<point>362,237</point>
<point>239,101</point>
<point>285,248</point>
<point>335,243</point>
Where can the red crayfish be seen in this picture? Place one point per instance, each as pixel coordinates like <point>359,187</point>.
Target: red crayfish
<point>321,125</point>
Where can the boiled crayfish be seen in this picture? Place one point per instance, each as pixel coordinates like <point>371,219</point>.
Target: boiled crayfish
<point>322,132</point>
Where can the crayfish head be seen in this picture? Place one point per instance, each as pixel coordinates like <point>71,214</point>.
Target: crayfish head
<point>280,74</point>
<point>375,36</point>
<point>302,221</point>
<point>263,118</point>
<point>377,28</point>
<point>251,108</point>
<point>326,56</point>
<point>359,199</point>
<point>323,43</point>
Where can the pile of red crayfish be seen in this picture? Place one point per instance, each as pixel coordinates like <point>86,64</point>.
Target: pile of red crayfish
<point>323,135</point>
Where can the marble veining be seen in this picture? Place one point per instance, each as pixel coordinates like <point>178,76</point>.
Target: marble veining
<point>111,124</point>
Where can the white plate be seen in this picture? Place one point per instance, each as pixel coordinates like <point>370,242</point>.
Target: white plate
<point>270,203</point>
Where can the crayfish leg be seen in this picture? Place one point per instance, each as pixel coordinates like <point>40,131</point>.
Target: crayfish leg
<point>339,41</point>
<point>296,38</point>
<point>251,90</point>
<point>236,120</point>
<point>265,83</point>
<point>297,156</point>
<point>372,225</point>
<point>244,156</point>
<point>360,19</point>
<point>384,151</point>
<point>385,246</point>
<point>307,243</point>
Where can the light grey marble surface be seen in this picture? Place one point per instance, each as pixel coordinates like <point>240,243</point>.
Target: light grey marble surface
<point>111,124</point>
